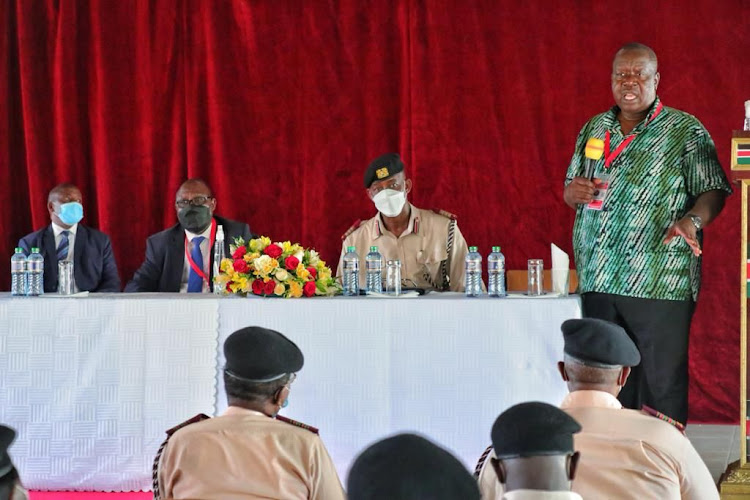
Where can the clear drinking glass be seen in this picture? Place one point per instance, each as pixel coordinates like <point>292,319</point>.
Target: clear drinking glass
<point>393,277</point>
<point>536,277</point>
<point>65,277</point>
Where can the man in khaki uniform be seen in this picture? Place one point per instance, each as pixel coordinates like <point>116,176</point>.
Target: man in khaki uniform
<point>534,455</point>
<point>249,451</point>
<point>624,453</point>
<point>429,244</point>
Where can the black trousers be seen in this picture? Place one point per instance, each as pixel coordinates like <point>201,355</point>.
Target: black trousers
<point>660,329</point>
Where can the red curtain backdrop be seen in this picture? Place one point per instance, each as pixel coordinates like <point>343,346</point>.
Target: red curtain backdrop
<point>280,105</point>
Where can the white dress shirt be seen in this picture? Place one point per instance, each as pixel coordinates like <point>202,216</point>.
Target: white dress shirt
<point>205,249</point>
<point>57,230</point>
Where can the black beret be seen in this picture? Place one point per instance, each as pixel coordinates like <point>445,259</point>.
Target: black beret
<point>7,436</point>
<point>599,342</point>
<point>533,429</point>
<point>382,167</point>
<point>406,467</point>
<point>261,355</point>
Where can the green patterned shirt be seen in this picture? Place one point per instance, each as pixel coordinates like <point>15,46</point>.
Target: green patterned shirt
<point>654,181</point>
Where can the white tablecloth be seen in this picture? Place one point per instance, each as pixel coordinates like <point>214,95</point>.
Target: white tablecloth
<point>92,384</point>
<point>441,365</point>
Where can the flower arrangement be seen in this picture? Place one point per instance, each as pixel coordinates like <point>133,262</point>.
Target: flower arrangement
<point>260,267</point>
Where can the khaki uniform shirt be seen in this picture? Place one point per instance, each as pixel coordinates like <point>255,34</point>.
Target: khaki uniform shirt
<point>422,247</point>
<point>245,454</point>
<point>625,454</point>
<point>541,495</point>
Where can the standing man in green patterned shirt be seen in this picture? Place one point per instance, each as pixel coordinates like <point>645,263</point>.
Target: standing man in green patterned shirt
<point>637,234</point>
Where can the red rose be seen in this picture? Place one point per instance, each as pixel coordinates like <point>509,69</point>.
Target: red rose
<point>313,273</point>
<point>258,287</point>
<point>291,262</point>
<point>268,287</point>
<point>240,266</point>
<point>309,289</point>
<point>239,253</point>
<point>273,250</point>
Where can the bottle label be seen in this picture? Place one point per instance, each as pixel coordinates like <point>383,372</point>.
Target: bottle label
<point>351,266</point>
<point>374,265</point>
<point>472,267</point>
<point>17,266</point>
<point>35,266</point>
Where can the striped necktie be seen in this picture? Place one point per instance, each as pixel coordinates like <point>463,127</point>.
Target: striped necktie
<point>195,281</point>
<point>62,248</point>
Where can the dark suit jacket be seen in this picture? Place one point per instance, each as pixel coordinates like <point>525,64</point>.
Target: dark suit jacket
<point>165,257</point>
<point>94,265</point>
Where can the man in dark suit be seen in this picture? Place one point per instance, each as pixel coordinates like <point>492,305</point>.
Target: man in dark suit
<point>180,259</point>
<point>94,266</point>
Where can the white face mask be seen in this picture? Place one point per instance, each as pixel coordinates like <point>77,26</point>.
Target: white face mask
<point>390,202</point>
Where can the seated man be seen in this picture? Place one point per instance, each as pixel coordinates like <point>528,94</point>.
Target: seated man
<point>409,467</point>
<point>10,483</point>
<point>249,451</point>
<point>180,259</point>
<point>94,267</point>
<point>429,244</point>
<point>534,455</point>
<point>624,453</point>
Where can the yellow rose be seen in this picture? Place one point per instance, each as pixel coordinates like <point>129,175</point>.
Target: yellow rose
<point>324,274</point>
<point>295,289</point>
<point>226,265</point>
<point>279,290</point>
<point>255,245</point>
<point>265,264</point>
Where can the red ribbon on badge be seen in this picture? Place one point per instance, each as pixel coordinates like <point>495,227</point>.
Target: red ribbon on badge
<point>192,263</point>
<point>610,157</point>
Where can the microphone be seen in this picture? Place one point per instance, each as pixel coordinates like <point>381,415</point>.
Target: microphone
<point>594,151</point>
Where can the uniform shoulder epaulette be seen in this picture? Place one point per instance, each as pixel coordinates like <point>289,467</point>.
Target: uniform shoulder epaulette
<point>650,411</point>
<point>195,419</point>
<point>445,213</point>
<point>295,423</point>
<point>353,228</point>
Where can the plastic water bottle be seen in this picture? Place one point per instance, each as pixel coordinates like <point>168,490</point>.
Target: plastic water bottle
<point>473,278</point>
<point>496,273</point>
<point>374,268</point>
<point>351,272</point>
<point>35,273</point>
<point>18,273</point>
<point>218,257</point>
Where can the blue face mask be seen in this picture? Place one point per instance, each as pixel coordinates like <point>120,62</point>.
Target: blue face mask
<point>70,213</point>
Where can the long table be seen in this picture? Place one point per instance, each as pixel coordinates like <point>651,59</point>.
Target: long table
<point>91,384</point>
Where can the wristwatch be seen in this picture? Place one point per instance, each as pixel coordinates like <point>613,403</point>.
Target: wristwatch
<point>697,221</point>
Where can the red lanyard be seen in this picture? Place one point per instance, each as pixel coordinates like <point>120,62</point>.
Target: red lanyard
<point>192,263</point>
<point>610,157</point>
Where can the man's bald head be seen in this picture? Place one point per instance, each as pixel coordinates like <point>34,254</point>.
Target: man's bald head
<point>195,185</point>
<point>638,47</point>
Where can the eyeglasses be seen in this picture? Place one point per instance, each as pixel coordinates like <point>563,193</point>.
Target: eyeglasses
<point>197,201</point>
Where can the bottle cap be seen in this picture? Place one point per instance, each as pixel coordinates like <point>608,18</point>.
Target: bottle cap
<point>373,248</point>
<point>34,249</point>
<point>747,109</point>
<point>19,250</point>
<point>351,249</point>
<point>496,249</point>
<point>220,232</point>
<point>472,249</point>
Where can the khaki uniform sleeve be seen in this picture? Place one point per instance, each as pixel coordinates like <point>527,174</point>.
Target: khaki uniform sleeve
<point>325,480</point>
<point>489,486</point>
<point>696,482</point>
<point>457,270</point>
<point>340,268</point>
